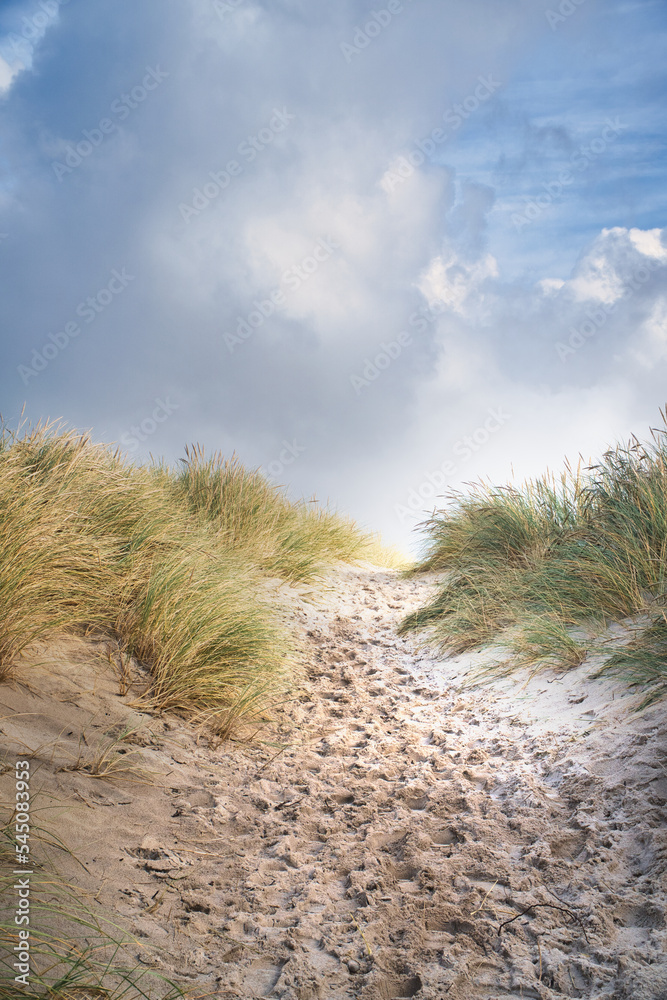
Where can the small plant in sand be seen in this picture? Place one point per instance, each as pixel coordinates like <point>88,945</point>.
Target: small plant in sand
<point>122,665</point>
<point>109,759</point>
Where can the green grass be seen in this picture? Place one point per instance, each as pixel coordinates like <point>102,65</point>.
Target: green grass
<point>296,541</point>
<point>643,661</point>
<point>180,566</point>
<point>524,566</point>
<point>547,640</point>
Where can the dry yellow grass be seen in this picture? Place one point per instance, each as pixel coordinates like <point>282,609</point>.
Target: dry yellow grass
<point>174,564</point>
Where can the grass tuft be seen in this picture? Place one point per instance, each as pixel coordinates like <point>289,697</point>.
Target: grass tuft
<point>546,640</point>
<point>524,565</point>
<point>295,541</point>
<point>643,661</point>
<point>176,567</point>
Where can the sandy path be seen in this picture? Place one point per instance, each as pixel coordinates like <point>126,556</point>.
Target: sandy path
<point>379,852</point>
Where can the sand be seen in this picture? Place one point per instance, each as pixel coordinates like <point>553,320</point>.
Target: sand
<point>393,834</point>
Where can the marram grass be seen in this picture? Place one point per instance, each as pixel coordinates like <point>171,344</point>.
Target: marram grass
<point>179,565</point>
<point>525,566</point>
<point>545,639</point>
<point>643,661</point>
<point>295,541</point>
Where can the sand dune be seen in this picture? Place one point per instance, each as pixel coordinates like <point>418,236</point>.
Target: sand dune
<point>395,834</point>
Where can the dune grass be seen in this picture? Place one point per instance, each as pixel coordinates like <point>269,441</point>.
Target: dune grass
<point>295,541</point>
<point>547,640</point>
<point>643,661</point>
<point>177,565</point>
<point>525,566</point>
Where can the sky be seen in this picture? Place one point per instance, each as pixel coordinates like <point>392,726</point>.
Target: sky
<point>380,251</point>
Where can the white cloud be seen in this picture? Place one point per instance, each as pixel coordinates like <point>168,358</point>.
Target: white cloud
<point>20,44</point>
<point>603,272</point>
<point>456,283</point>
<point>8,73</point>
<point>550,286</point>
<point>649,243</point>
<point>652,340</point>
<point>497,348</point>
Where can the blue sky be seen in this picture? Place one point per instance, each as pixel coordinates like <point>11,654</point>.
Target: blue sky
<point>600,64</point>
<point>216,226</point>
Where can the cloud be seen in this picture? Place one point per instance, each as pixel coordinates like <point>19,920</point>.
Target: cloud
<point>8,72</point>
<point>602,275</point>
<point>455,283</point>
<point>218,211</point>
<point>22,28</point>
<point>611,303</point>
